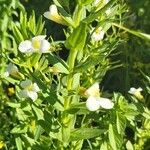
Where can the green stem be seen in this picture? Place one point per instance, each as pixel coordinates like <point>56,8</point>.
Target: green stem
<point>68,120</point>
<point>78,15</point>
<point>71,62</point>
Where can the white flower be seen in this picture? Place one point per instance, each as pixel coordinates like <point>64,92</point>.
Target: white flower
<point>37,44</point>
<point>94,101</point>
<point>106,103</point>
<point>98,34</point>
<point>136,92</point>
<point>53,15</point>
<point>29,90</point>
<point>93,90</point>
<point>11,70</point>
<point>25,46</point>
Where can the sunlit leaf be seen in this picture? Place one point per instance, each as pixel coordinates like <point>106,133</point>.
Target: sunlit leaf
<point>85,133</point>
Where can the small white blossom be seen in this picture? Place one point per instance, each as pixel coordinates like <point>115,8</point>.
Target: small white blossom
<point>53,15</point>
<point>11,70</point>
<point>25,46</point>
<point>136,92</point>
<point>29,90</point>
<point>37,44</point>
<point>94,101</point>
<point>98,34</point>
<point>106,103</point>
<point>93,90</point>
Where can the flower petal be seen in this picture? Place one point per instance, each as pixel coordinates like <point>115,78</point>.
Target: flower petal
<point>25,46</point>
<point>47,15</point>
<point>26,83</point>
<point>106,103</point>
<point>92,103</point>
<point>93,90</point>
<point>52,14</point>
<point>136,92</point>
<point>97,36</point>
<point>45,46</point>
<point>33,95</point>
<point>39,37</point>
<point>35,88</point>
<point>11,70</point>
<point>53,9</point>
<point>132,90</point>
<point>6,74</point>
<point>23,94</point>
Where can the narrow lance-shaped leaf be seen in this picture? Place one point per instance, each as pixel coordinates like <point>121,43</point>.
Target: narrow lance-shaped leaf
<point>136,33</point>
<point>17,33</point>
<point>115,139</point>
<point>19,129</point>
<point>23,24</point>
<point>77,38</point>
<point>84,2</point>
<point>121,122</point>
<point>104,146</point>
<point>38,112</point>
<point>85,133</point>
<point>18,143</point>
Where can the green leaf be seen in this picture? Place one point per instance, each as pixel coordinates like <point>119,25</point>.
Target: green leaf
<point>120,122</point>
<point>78,108</point>
<point>19,129</point>
<point>84,2</point>
<point>18,35</point>
<point>104,146</point>
<point>13,105</point>
<point>115,139</point>
<point>27,140</point>
<point>112,137</point>
<point>46,124</point>
<point>32,23</point>
<point>21,114</point>
<point>18,143</point>
<point>99,13</point>
<point>76,40</point>
<point>38,132</point>
<point>4,23</point>
<point>34,58</point>
<point>64,3</point>
<point>38,112</point>
<point>53,59</point>
<point>42,64</point>
<point>40,26</point>
<point>144,36</point>
<point>23,24</point>
<point>61,68</point>
<point>76,81</point>
<point>85,133</point>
